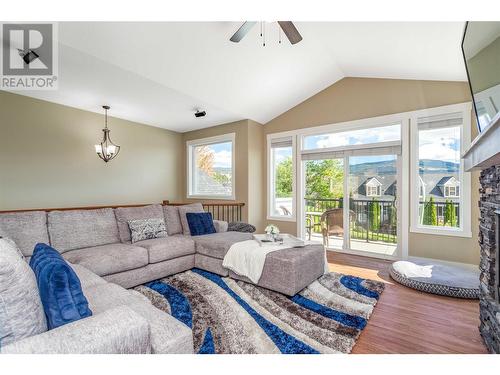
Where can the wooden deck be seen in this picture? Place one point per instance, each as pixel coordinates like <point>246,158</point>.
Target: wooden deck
<point>408,321</point>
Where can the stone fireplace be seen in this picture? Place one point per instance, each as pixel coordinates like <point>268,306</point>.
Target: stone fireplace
<point>484,155</point>
<point>489,239</point>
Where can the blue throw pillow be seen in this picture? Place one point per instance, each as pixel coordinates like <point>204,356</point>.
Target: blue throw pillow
<point>200,223</point>
<point>60,289</point>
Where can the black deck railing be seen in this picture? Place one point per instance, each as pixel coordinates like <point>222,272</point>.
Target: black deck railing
<point>372,220</point>
<point>373,223</point>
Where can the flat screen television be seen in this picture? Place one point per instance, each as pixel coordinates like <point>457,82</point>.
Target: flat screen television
<point>481,52</point>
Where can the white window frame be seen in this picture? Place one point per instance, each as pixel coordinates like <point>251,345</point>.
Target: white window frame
<point>465,179</point>
<point>190,145</point>
<point>270,179</point>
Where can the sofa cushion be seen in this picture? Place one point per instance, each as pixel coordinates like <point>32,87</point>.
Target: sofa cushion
<point>183,210</point>
<point>60,289</point>
<point>87,277</point>
<point>126,214</point>
<point>200,223</point>
<point>26,229</point>
<point>105,297</point>
<point>108,259</point>
<point>216,245</point>
<point>21,310</point>
<point>76,229</point>
<point>171,247</point>
<point>172,220</point>
<point>168,335</point>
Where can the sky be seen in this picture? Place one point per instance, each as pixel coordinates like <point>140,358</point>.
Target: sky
<point>353,137</point>
<point>222,154</point>
<point>440,144</point>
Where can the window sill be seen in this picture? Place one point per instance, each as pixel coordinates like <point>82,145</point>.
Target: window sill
<point>442,231</point>
<point>282,218</point>
<point>213,197</point>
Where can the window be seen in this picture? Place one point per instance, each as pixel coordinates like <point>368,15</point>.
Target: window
<point>451,192</point>
<point>373,191</point>
<point>379,134</point>
<point>211,167</point>
<point>281,178</point>
<point>438,140</point>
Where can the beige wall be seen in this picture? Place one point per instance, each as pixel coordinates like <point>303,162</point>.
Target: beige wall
<point>256,175</point>
<point>358,98</point>
<point>47,158</point>
<point>249,173</point>
<point>483,67</point>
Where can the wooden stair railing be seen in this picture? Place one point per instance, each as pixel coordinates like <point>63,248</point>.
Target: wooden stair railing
<point>226,211</point>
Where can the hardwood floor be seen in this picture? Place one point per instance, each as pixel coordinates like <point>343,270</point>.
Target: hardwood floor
<point>409,321</point>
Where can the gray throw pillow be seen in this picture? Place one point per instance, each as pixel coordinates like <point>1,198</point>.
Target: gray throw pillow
<point>183,210</point>
<point>21,310</point>
<point>147,229</point>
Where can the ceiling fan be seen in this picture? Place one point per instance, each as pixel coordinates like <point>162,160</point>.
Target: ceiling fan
<point>288,28</point>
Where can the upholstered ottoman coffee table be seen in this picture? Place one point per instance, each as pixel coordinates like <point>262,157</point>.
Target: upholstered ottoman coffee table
<point>290,270</point>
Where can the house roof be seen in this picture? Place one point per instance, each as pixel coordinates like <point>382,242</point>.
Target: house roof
<point>206,185</point>
<point>387,184</point>
<point>433,181</point>
<point>436,182</point>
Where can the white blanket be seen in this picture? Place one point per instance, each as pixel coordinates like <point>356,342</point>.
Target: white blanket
<point>247,258</point>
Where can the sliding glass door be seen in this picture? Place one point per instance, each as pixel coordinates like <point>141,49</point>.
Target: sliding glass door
<point>324,201</point>
<point>349,190</point>
<point>373,197</point>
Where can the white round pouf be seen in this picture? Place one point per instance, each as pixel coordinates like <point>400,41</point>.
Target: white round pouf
<point>437,278</point>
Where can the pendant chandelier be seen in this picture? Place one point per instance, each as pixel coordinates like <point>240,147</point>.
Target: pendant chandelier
<point>106,150</point>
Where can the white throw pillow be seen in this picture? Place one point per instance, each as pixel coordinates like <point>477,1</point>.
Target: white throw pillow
<point>21,310</point>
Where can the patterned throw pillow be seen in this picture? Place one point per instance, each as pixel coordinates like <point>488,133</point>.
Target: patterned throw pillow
<point>147,229</point>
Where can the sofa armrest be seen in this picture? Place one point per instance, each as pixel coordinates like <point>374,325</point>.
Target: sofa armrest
<point>118,330</point>
<point>220,226</point>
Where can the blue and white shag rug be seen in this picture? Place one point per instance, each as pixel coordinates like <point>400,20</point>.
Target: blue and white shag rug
<point>230,316</point>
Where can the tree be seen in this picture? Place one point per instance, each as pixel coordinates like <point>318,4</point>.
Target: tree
<point>223,179</point>
<point>374,211</point>
<point>283,181</point>
<point>450,216</point>
<point>430,213</point>
<point>205,159</point>
<point>324,179</point>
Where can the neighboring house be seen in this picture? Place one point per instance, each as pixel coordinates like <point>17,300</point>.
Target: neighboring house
<point>206,185</point>
<point>381,188</point>
<point>447,187</point>
<point>384,188</point>
<point>442,188</point>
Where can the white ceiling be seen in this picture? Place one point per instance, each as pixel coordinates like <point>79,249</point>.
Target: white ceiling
<point>158,73</point>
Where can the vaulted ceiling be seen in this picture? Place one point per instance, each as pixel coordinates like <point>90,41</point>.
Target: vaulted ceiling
<point>159,73</point>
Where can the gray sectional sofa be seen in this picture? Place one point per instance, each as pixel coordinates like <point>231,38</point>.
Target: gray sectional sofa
<point>96,242</point>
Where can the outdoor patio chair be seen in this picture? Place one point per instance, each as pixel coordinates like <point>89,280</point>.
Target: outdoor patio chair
<point>332,223</point>
<point>285,211</point>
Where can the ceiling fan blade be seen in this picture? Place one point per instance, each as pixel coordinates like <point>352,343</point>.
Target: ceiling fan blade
<point>290,31</point>
<point>242,31</point>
